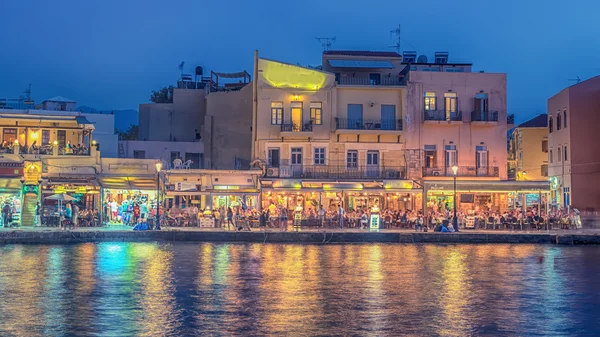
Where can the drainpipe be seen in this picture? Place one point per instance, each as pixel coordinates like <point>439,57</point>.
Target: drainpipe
<point>254,105</point>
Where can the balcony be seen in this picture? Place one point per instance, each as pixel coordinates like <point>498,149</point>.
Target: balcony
<point>484,117</point>
<point>368,124</point>
<point>47,150</point>
<point>295,127</point>
<point>336,172</point>
<point>463,171</point>
<point>443,116</point>
<point>365,81</point>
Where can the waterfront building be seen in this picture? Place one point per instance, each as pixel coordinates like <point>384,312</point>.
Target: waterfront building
<point>573,153</point>
<point>529,148</point>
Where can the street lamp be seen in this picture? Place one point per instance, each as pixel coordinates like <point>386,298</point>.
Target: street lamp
<point>158,168</point>
<point>455,220</point>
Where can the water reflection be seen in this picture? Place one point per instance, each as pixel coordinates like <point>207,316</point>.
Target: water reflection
<point>149,289</point>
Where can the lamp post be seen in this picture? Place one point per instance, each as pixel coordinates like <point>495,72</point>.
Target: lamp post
<point>158,168</point>
<point>454,219</point>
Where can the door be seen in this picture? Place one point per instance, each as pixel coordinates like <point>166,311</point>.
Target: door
<point>372,169</point>
<point>355,116</point>
<point>61,136</point>
<point>297,161</point>
<point>450,104</point>
<point>451,159</point>
<point>296,116</point>
<point>388,117</point>
<point>482,161</point>
<point>481,107</point>
<point>374,79</point>
<point>273,157</point>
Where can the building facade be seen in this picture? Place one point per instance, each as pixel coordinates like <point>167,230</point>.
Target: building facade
<point>529,147</point>
<point>573,156</point>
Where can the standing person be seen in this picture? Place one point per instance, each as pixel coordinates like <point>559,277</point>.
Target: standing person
<point>230,218</point>
<point>114,211</point>
<point>143,210</point>
<point>6,215</point>
<point>284,219</point>
<point>75,215</point>
<point>341,216</point>
<point>68,215</point>
<point>38,219</point>
<point>322,215</point>
<point>136,213</point>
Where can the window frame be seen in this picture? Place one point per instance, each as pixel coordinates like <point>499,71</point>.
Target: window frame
<point>429,100</point>
<point>352,164</point>
<point>565,118</point>
<point>313,113</point>
<point>559,154</point>
<point>276,113</point>
<point>319,156</point>
<point>565,154</point>
<point>558,121</point>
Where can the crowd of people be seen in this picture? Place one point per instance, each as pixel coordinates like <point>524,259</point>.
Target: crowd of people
<point>35,148</point>
<point>131,211</point>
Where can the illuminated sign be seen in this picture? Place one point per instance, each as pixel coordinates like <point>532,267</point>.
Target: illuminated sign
<point>282,75</point>
<point>374,224</point>
<point>220,187</point>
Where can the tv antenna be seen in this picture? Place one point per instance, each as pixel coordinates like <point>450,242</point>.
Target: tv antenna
<point>326,42</point>
<point>577,80</point>
<point>180,67</point>
<point>396,38</point>
<point>28,99</point>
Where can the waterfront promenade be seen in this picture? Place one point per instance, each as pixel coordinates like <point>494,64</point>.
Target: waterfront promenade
<point>42,235</point>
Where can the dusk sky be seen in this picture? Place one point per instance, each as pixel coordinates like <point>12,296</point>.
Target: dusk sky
<point>110,54</point>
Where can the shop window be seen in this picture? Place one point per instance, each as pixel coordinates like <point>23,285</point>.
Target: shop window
<point>45,137</point>
<point>451,158</point>
<point>430,156</point>
<point>276,113</point>
<point>139,154</point>
<point>316,113</point>
<point>352,160</point>
<point>9,135</point>
<point>319,156</point>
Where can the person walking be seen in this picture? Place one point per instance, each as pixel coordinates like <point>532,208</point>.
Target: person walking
<point>230,218</point>
<point>38,219</point>
<point>75,210</point>
<point>321,216</point>
<point>284,219</point>
<point>341,216</point>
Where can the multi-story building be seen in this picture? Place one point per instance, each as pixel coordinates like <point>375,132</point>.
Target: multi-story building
<point>529,147</point>
<point>573,153</point>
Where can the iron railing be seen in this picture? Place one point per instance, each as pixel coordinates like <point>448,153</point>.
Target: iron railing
<point>367,124</point>
<point>463,171</point>
<point>337,172</point>
<point>442,115</point>
<point>390,81</point>
<point>295,127</point>
<point>484,116</point>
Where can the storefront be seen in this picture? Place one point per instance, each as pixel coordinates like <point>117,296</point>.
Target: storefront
<point>128,200</point>
<point>11,199</point>
<point>85,190</point>
<point>486,196</point>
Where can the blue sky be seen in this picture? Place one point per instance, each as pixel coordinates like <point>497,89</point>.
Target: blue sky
<point>110,54</point>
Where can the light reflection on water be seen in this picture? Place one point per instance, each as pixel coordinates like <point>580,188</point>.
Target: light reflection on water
<point>150,289</point>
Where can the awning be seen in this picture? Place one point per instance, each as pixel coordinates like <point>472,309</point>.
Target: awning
<point>488,186</point>
<point>361,64</point>
<point>129,183</point>
<point>10,184</point>
<point>82,120</point>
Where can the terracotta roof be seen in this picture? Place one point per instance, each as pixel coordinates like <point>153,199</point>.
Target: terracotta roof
<point>362,53</point>
<point>539,121</point>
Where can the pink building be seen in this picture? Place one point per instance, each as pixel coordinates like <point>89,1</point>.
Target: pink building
<point>573,152</point>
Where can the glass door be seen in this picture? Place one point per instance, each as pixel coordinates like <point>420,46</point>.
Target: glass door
<point>296,116</point>
<point>482,160</point>
<point>372,164</point>
<point>297,161</point>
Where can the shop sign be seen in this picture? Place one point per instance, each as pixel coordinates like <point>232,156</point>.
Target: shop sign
<point>397,184</point>
<point>374,225</point>
<point>221,187</point>
<point>185,186</point>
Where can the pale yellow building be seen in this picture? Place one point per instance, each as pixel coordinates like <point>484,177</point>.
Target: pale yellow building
<point>531,149</point>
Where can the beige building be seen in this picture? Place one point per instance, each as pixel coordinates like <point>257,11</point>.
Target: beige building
<point>573,153</point>
<point>530,148</point>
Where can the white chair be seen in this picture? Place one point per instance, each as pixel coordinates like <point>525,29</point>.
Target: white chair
<point>187,164</point>
<point>177,163</point>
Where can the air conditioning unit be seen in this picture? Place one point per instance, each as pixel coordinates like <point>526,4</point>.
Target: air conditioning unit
<point>273,172</point>
<point>437,172</point>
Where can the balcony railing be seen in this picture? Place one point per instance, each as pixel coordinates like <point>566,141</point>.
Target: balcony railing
<point>463,171</point>
<point>484,116</point>
<point>441,115</point>
<point>295,127</point>
<point>336,172</point>
<point>367,124</point>
<point>390,81</point>
<point>47,150</point>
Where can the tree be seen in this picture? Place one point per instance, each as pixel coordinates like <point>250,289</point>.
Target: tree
<point>163,95</point>
<point>130,134</point>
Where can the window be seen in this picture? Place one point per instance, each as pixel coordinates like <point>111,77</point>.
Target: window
<point>276,113</point>
<point>373,158</point>
<point>481,156</point>
<point>481,104</point>
<point>273,158</point>
<point>352,159</point>
<point>566,157</point>
<point>550,157</point>
<point>195,158</point>
<point>567,196</point>
<point>565,117</point>
<point>451,159</point>
<point>316,113</point>
<point>430,102</point>
<point>558,125</point>
<point>388,117</point>
<point>9,135</point>
<point>296,113</point>
<point>296,156</point>
<point>374,79</point>
<point>544,170</point>
<point>45,137</point>
<point>430,156</point>
<point>61,136</point>
<point>450,104</point>
<point>319,156</point>
<point>545,146</point>
<point>559,154</point>
<point>139,154</point>
<point>175,155</point>
<point>550,125</point>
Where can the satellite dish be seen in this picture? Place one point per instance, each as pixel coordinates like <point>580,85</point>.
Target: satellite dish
<point>422,59</point>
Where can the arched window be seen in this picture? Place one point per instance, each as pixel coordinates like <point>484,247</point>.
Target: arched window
<point>558,125</point>
<point>565,117</point>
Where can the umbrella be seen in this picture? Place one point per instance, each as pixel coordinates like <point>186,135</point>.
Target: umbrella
<point>61,197</point>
